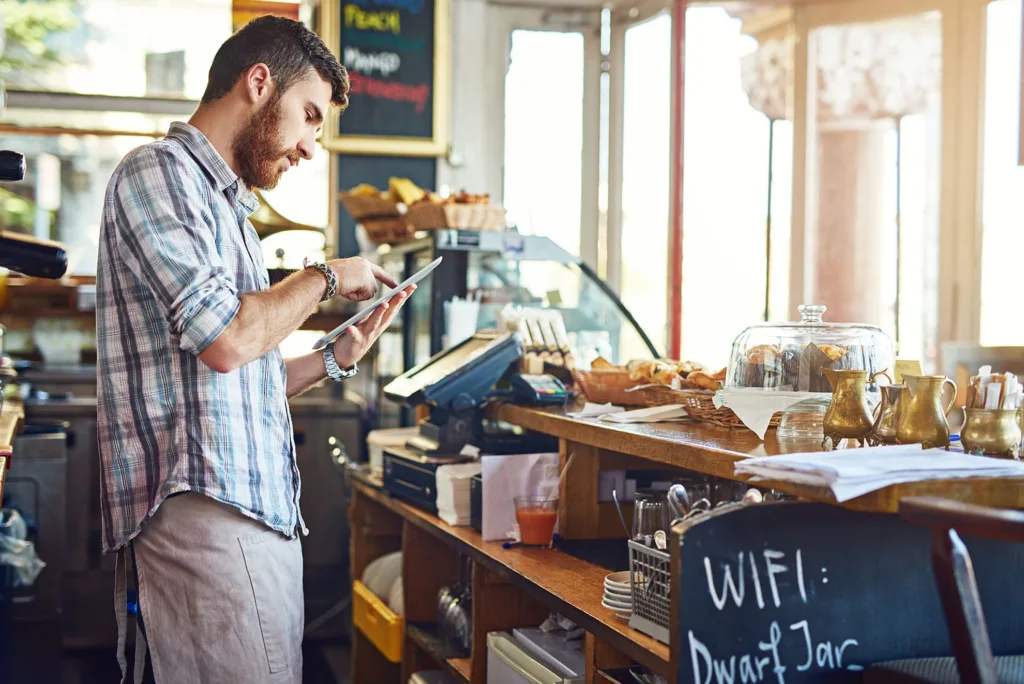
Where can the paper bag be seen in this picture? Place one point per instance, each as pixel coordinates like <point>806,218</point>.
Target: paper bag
<point>506,477</point>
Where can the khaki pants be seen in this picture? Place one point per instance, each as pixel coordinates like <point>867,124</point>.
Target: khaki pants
<point>220,596</point>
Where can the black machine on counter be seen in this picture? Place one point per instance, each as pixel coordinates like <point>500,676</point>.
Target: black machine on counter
<point>456,385</point>
<point>21,253</point>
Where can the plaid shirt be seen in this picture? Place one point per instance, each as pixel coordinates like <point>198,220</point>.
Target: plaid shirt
<point>176,250</point>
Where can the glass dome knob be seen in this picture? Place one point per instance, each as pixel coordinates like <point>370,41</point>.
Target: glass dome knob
<point>811,313</point>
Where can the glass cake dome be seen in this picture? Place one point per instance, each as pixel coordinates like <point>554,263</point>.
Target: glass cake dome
<point>789,357</point>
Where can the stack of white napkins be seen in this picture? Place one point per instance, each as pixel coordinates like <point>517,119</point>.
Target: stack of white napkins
<point>590,410</point>
<point>850,473</point>
<point>453,483</point>
<point>652,414</point>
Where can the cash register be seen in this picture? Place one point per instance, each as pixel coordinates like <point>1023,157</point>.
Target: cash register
<point>456,385</point>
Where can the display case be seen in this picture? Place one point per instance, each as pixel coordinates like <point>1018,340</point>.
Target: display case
<point>496,269</point>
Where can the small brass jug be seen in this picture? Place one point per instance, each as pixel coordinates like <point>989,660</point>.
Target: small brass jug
<point>924,419</point>
<point>991,432</point>
<point>848,415</point>
<point>888,414</point>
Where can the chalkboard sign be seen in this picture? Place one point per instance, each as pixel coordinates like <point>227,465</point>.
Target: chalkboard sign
<point>396,53</point>
<point>814,593</point>
<point>355,169</point>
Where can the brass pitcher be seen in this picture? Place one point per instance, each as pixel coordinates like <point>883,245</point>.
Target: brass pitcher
<point>991,432</point>
<point>848,415</point>
<point>924,419</point>
<point>888,414</point>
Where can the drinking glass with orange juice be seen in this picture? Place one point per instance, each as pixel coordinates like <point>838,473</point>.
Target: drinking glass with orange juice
<point>536,516</point>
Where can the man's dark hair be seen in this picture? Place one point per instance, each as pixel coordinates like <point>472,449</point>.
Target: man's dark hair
<point>287,47</point>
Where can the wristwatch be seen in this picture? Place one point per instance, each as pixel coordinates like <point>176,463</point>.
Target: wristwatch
<point>328,274</point>
<point>334,372</point>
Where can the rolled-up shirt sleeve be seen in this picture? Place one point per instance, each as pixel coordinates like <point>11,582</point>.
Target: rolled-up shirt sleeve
<point>170,245</point>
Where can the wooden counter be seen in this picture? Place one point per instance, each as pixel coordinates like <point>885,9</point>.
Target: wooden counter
<point>10,419</point>
<point>714,451</point>
<point>517,587</point>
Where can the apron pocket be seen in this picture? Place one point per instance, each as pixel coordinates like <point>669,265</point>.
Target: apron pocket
<point>277,589</point>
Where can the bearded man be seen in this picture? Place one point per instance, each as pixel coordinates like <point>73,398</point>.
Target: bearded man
<point>199,479</point>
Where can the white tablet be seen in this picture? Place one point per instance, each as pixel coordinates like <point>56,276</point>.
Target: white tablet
<point>365,313</point>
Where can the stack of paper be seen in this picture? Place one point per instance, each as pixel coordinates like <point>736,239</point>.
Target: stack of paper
<point>850,473</point>
<point>453,483</point>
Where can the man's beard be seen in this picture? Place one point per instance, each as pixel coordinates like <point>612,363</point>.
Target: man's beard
<point>258,149</point>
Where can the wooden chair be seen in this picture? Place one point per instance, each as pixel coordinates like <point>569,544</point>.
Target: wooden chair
<point>974,662</point>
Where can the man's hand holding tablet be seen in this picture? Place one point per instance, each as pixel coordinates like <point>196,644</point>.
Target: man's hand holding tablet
<point>366,326</point>
<point>351,347</point>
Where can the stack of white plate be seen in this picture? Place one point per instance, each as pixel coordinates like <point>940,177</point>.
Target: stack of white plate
<point>618,594</point>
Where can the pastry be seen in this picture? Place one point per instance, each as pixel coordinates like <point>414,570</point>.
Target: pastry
<point>720,375</point>
<point>762,367</point>
<point>365,190</point>
<point>763,355</point>
<point>664,374</point>
<point>704,381</point>
<point>601,363</point>
<point>640,371</point>
<point>404,190</point>
<point>635,363</point>
<point>687,367</point>
<point>833,351</point>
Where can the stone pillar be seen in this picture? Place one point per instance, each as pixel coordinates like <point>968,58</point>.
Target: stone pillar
<point>848,270</point>
<point>867,76</point>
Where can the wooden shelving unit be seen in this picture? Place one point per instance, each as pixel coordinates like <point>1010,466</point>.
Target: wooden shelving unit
<point>565,584</point>
<point>516,587</point>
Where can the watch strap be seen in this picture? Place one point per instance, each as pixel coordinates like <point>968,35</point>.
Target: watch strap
<point>334,371</point>
<point>329,276</point>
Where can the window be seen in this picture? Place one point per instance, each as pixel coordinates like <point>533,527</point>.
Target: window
<point>645,176</point>
<point>1003,196</point>
<point>125,47</point>
<point>725,191</point>
<point>871,239</point>
<point>544,135</point>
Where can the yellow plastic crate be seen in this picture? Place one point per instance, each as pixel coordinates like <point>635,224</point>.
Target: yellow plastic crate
<point>377,622</point>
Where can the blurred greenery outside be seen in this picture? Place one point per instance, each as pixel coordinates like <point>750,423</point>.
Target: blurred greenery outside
<point>28,24</point>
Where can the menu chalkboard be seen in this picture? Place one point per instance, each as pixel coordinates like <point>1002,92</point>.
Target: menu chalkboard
<point>395,53</point>
<point>816,593</point>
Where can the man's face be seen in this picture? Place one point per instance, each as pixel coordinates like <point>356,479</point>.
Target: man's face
<point>281,131</point>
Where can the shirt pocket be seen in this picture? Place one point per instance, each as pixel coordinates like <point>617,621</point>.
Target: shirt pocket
<point>274,565</point>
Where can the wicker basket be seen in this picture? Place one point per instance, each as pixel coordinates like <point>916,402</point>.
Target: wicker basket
<point>368,206</point>
<point>388,231</point>
<point>429,216</point>
<point>608,386</point>
<point>614,386</point>
<point>699,404</point>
